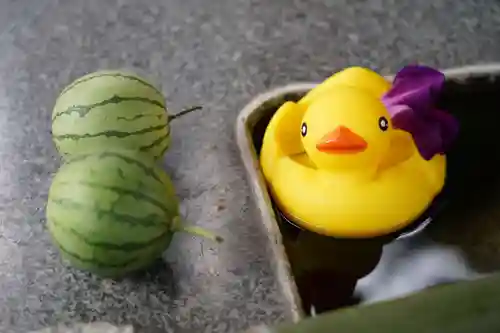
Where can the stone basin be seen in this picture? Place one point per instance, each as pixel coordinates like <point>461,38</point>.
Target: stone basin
<point>461,238</point>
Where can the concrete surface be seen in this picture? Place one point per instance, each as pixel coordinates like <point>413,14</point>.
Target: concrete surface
<point>217,53</point>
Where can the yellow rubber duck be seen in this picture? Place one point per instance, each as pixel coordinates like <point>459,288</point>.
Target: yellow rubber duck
<point>336,165</point>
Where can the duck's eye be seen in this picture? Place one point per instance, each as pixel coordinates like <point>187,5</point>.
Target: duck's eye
<point>383,123</point>
<point>303,129</point>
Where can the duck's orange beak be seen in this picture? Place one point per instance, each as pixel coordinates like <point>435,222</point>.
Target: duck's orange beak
<point>341,141</point>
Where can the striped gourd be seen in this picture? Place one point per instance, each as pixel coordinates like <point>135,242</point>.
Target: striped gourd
<point>112,212</point>
<point>111,109</point>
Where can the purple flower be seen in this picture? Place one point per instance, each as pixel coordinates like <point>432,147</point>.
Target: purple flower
<point>411,102</point>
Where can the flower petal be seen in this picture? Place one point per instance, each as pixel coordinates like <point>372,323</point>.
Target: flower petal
<point>411,102</point>
<point>415,86</point>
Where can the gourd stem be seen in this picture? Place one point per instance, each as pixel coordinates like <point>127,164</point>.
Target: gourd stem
<point>183,112</point>
<point>193,230</point>
<point>177,226</point>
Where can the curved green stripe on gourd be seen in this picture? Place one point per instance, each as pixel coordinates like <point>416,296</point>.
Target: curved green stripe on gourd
<point>92,261</point>
<point>112,74</point>
<point>128,246</point>
<point>107,270</point>
<point>130,115</point>
<point>87,253</point>
<point>134,140</point>
<point>100,156</point>
<point>93,218</point>
<point>115,174</point>
<point>141,173</point>
<point>111,133</point>
<point>103,88</point>
<point>83,110</point>
<point>121,192</point>
<point>151,220</point>
<point>134,194</point>
<point>158,142</point>
<point>105,262</point>
<point>139,116</point>
<point>163,150</point>
<point>148,170</point>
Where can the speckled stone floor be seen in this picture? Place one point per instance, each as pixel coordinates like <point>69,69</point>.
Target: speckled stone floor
<point>217,53</point>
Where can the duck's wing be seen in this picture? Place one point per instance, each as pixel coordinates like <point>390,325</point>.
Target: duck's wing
<point>356,77</point>
<point>401,148</point>
<point>286,124</point>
